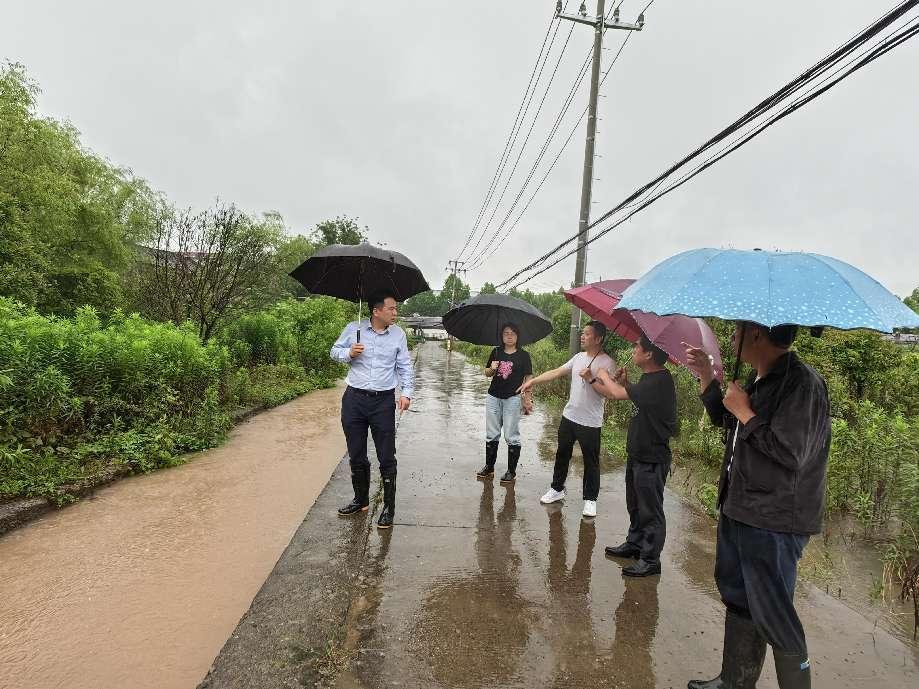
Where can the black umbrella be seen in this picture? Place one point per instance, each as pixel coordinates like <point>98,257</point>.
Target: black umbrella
<point>356,271</point>
<point>481,319</point>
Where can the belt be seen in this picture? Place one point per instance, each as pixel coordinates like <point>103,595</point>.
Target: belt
<point>372,393</point>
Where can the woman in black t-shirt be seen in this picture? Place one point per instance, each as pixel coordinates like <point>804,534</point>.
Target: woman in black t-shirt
<point>508,367</point>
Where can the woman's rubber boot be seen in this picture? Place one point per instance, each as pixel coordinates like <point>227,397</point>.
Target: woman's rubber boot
<point>491,456</point>
<point>513,455</point>
<point>793,670</point>
<point>388,512</point>
<point>742,658</point>
<point>360,481</point>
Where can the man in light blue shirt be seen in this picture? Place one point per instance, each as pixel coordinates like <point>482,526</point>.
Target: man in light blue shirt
<point>377,352</point>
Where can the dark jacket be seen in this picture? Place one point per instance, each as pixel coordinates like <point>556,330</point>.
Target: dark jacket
<point>777,478</point>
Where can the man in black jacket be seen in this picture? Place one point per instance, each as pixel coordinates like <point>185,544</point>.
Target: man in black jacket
<point>771,499</point>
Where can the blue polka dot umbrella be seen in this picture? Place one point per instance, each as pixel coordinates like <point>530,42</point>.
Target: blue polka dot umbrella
<point>770,288</point>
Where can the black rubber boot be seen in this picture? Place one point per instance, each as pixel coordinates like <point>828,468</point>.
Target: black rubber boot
<point>742,658</point>
<point>513,456</point>
<point>491,456</point>
<point>624,550</point>
<point>388,513</point>
<point>793,670</point>
<point>360,481</point>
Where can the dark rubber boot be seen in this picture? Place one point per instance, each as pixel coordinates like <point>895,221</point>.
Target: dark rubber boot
<point>742,658</point>
<point>388,513</point>
<point>360,481</point>
<point>491,456</point>
<point>513,456</point>
<point>793,670</point>
<point>625,550</point>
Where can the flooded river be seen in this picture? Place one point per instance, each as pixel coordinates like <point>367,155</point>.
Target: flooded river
<point>140,585</point>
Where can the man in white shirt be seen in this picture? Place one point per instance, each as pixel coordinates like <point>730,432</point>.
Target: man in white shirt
<point>582,417</point>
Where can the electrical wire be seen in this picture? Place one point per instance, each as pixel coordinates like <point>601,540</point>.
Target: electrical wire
<point>508,142</point>
<point>477,261</point>
<point>825,65</point>
<point>866,58</point>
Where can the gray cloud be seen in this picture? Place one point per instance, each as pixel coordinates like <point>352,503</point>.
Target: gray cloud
<point>397,112</point>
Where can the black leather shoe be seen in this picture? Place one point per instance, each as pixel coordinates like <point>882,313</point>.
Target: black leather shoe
<point>388,513</point>
<point>352,507</point>
<point>625,550</point>
<point>485,472</point>
<point>508,477</point>
<point>642,568</point>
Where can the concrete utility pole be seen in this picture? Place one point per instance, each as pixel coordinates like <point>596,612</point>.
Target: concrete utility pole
<point>454,267</point>
<point>600,25</point>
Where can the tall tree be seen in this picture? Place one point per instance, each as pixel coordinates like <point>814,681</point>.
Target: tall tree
<point>912,301</point>
<point>208,265</point>
<point>69,220</point>
<point>341,230</point>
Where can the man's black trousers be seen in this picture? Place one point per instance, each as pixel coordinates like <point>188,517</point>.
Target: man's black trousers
<point>362,410</point>
<point>756,570</point>
<point>644,499</point>
<point>588,438</point>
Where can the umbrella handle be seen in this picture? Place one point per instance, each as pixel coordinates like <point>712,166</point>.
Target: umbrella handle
<point>743,331</point>
<point>359,320</point>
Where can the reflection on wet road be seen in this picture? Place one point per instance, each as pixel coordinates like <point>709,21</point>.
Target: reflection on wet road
<point>479,585</point>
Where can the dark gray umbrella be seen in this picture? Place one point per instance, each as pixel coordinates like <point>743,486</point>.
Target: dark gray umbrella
<point>356,271</point>
<point>481,319</point>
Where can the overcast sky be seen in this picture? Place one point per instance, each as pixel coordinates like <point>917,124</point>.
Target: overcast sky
<point>397,112</point>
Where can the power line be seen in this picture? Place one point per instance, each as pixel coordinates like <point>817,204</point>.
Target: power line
<point>574,129</point>
<point>823,66</point>
<point>508,142</point>
<point>525,141</point>
<point>477,261</point>
<point>871,56</point>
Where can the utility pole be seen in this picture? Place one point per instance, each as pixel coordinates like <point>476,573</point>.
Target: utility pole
<point>454,267</point>
<point>600,25</point>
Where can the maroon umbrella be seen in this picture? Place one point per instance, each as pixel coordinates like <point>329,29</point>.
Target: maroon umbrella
<point>600,301</point>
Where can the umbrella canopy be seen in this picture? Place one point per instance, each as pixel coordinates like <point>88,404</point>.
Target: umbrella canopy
<point>771,288</point>
<point>600,301</point>
<point>356,271</point>
<point>480,320</point>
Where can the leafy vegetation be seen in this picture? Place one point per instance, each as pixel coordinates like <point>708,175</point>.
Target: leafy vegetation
<point>87,395</point>
<point>130,331</point>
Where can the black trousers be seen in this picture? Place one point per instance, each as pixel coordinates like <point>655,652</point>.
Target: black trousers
<point>360,412</point>
<point>756,570</point>
<point>644,499</point>
<point>589,440</point>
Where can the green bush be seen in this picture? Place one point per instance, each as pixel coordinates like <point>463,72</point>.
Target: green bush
<point>79,396</point>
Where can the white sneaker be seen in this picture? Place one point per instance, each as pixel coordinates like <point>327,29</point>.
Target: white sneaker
<point>590,508</point>
<point>551,496</point>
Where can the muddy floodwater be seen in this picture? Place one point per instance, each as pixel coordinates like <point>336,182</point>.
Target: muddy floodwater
<point>140,585</point>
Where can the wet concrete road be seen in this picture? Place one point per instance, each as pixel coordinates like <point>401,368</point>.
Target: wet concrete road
<point>479,585</point>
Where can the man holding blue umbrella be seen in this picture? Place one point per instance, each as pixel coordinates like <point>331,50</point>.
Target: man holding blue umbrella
<point>771,494</point>
<point>771,497</point>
